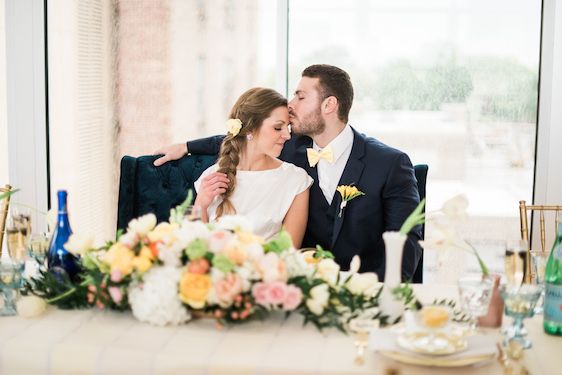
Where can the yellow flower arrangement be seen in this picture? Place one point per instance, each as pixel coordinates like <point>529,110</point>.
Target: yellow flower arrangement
<point>347,192</point>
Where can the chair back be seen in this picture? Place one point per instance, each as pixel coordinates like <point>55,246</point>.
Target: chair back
<point>420,171</point>
<point>144,188</point>
<point>526,213</point>
<point>4,206</point>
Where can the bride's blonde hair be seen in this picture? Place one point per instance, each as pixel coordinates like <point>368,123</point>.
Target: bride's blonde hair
<point>251,108</point>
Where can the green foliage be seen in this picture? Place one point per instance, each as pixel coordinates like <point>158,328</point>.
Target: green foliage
<point>58,290</point>
<point>458,315</point>
<point>322,254</point>
<point>281,242</point>
<point>7,194</point>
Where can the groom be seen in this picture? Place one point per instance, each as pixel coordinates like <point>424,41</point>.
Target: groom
<point>335,154</point>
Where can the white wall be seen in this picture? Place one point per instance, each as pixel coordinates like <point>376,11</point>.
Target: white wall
<point>26,117</point>
<point>4,177</point>
<point>548,181</point>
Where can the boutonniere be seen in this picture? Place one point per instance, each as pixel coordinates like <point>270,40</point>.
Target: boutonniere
<point>347,193</point>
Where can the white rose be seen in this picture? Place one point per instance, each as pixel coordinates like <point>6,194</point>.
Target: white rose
<point>355,264</point>
<point>143,224</point>
<point>78,244</point>
<point>272,268</point>
<point>318,300</point>
<point>456,206</point>
<point>363,283</point>
<point>129,239</point>
<point>328,270</point>
<point>31,306</point>
<point>296,264</point>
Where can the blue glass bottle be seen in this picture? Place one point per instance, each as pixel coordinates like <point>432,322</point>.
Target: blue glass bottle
<point>59,259</point>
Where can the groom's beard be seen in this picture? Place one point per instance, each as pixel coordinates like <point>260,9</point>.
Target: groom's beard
<point>310,125</point>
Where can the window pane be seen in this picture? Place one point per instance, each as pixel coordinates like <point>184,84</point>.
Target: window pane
<point>127,77</point>
<point>452,83</point>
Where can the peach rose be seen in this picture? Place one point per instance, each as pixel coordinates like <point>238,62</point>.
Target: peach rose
<point>199,266</point>
<point>194,289</point>
<point>227,288</point>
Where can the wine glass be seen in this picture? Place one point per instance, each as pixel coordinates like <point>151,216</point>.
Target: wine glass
<point>10,278</point>
<point>362,325</point>
<point>38,248</point>
<point>475,293</point>
<point>538,266</point>
<point>520,303</point>
<point>17,241</point>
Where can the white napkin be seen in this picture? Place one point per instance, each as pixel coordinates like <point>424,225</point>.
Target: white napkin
<point>384,339</point>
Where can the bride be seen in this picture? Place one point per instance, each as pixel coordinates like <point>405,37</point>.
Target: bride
<point>248,179</point>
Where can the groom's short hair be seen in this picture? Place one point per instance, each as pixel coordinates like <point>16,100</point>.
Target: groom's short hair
<point>333,82</point>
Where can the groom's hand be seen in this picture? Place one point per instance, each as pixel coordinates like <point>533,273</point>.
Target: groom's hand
<point>172,152</point>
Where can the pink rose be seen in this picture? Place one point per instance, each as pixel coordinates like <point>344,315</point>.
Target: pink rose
<point>116,294</point>
<point>218,240</point>
<point>228,288</point>
<point>276,292</point>
<point>116,276</point>
<point>259,291</point>
<point>293,298</point>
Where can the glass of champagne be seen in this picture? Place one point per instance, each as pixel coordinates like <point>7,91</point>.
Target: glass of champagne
<point>475,293</point>
<point>17,240</point>
<point>38,248</point>
<point>515,262</point>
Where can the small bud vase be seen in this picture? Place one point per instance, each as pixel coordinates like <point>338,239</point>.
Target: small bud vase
<point>394,247</point>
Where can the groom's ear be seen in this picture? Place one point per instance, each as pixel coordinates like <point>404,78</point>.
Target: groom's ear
<point>330,105</point>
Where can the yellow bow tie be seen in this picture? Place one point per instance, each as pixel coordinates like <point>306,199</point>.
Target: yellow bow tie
<point>315,156</point>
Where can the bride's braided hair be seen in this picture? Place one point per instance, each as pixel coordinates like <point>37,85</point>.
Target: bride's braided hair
<point>251,108</point>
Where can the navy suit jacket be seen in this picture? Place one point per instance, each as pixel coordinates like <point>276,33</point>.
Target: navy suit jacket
<point>384,174</point>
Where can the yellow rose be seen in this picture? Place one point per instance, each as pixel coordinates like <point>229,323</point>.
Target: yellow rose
<point>162,230</point>
<point>120,257</point>
<point>194,289</point>
<point>145,252</point>
<point>142,264</point>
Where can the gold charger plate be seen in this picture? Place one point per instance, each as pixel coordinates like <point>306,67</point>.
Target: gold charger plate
<point>439,343</point>
<point>436,361</point>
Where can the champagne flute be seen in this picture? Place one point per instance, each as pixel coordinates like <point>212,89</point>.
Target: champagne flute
<point>38,248</point>
<point>515,262</point>
<point>17,242</point>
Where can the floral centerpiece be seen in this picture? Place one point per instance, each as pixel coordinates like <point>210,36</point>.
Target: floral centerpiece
<point>168,272</point>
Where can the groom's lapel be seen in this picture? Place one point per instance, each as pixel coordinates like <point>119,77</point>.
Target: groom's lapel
<point>351,175</point>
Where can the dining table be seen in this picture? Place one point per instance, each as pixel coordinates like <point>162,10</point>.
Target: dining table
<point>109,342</point>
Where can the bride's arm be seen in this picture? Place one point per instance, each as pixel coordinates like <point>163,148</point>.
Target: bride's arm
<point>296,218</point>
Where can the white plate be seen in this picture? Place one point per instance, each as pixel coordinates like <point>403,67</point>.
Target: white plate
<point>437,343</point>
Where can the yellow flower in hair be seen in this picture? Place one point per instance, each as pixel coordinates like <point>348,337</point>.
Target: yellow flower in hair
<point>233,126</point>
<point>347,193</point>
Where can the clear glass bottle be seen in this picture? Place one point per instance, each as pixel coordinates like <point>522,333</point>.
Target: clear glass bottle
<point>59,259</point>
<point>553,288</point>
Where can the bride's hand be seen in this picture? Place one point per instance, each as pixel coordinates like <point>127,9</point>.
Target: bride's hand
<point>212,185</point>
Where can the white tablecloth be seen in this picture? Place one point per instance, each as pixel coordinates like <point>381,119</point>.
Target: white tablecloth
<point>94,342</point>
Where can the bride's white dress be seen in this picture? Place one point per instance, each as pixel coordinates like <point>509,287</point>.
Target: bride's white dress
<point>263,197</point>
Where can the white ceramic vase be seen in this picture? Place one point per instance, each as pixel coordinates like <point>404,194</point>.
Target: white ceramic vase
<point>394,247</point>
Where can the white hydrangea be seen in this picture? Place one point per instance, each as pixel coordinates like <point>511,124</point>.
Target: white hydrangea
<point>155,300</point>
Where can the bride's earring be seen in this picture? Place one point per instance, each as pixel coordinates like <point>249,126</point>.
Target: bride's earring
<point>249,137</point>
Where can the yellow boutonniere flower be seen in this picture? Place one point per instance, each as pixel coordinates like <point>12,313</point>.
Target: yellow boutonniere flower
<point>347,193</point>
<point>233,126</point>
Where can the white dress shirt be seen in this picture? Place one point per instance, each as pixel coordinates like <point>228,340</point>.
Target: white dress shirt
<point>329,174</point>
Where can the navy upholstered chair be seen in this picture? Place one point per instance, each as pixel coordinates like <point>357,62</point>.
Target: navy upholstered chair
<point>144,188</point>
<point>420,171</point>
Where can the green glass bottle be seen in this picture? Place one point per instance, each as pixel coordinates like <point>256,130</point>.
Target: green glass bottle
<point>553,288</point>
